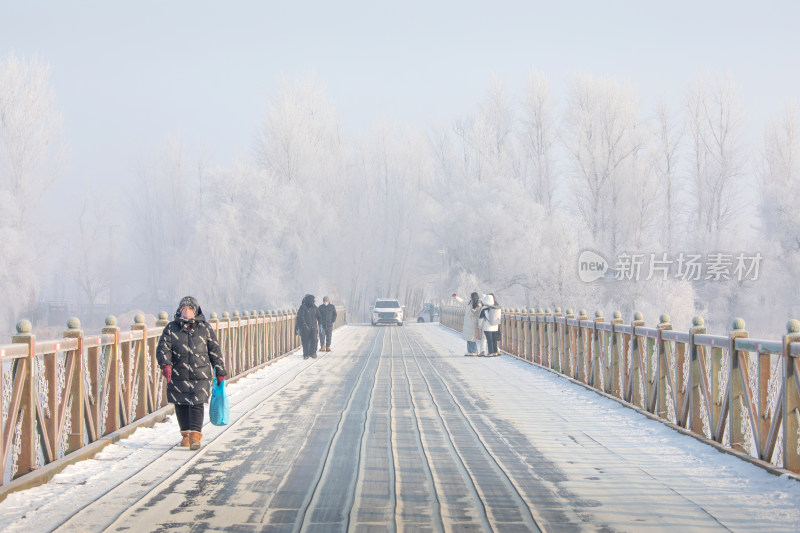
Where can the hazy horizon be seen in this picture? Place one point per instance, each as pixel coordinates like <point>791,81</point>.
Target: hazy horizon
<point>190,84</point>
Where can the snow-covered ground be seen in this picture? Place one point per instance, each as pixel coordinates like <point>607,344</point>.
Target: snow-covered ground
<point>651,455</point>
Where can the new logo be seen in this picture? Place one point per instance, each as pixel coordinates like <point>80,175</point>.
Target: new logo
<point>591,266</point>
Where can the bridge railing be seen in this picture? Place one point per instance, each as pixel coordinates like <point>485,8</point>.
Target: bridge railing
<point>59,396</point>
<point>741,393</point>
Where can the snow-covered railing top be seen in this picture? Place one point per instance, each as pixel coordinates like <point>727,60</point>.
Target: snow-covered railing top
<point>740,393</point>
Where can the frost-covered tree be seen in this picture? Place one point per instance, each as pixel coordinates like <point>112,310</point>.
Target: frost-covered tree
<point>300,143</point>
<point>488,138</point>
<point>300,133</point>
<point>165,203</point>
<point>668,134</point>
<point>600,136</point>
<point>538,137</point>
<point>388,237</point>
<point>780,217</point>
<point>89,259</point>
<point>235,249</point>
<point>31,153</point>
<point>716,124</point>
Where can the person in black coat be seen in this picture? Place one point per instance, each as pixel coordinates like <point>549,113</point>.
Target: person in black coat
<point>190,356</point>
<point>327,317</point>
<point>307,324</point>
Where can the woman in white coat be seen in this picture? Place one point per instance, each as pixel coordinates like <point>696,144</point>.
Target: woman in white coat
<point>470,329</point>
<point>489,319</point>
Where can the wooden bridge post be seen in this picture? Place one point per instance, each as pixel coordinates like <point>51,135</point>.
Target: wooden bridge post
<point>287,330</point>
<point>279,328</point>
<point>664,372</point>
<point>617,352</point>
<point>570,349</point>
<point>239,335</point>
<point>293,323</point>
<point>286,333</point>
<point>504,330</point>
<point>547,338</point>
<point>140,370</point>
<point>534,332</point>
<point>791,398</point>
<point>255,339</point>
<point>112,422</point>
<point>23,376</point>
<point>267,335</point>
<point>583,345</point>
<point>636,374</point>
<point>74,388</point>
<point>282,314</point>
<point>596,370</point>
<point>766,441</point>
<point>230,344</point>
<point>697,379</point>
<point>255,356</point>
<point>160,391</point>
<point>273,333</point>
<point>501,329</point>
<point>719,397</point>
<point>529,315</point>
<point>263,356</point>
<point>558,341</point>
<point>49,419</point>
<point>247,340</point>
<point>258,355</point>
<point>213,321</point>
<point>737,387</point>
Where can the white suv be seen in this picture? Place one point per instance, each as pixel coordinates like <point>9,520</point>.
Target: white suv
<point>387,311</point>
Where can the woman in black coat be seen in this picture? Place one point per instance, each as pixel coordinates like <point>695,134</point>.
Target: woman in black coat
<point>307,325</point>
<point>190,356</point>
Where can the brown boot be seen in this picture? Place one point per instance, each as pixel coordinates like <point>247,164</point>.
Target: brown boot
<point>184,439</point>
<point>194,440</point>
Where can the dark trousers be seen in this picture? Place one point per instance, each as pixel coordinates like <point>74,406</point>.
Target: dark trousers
<point>325,334</point>
<point>190,417</point>
<point>309,338</point>
<point>491,341</point>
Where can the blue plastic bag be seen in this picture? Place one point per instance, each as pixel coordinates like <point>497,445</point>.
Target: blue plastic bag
<point>219,412</point>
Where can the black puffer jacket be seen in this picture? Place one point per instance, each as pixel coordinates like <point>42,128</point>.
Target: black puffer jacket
<point>327,315</point>
<point>191,347</point>
<point>307,316</point>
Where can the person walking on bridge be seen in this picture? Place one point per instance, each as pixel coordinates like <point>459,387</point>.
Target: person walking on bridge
<point>190,356</point>
<point>308,325</point>
<point>327,317</point>
<point>489,320</point>
<point>470,330</point>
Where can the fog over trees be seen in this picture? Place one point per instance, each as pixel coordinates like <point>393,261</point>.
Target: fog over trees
<point>503,199</point>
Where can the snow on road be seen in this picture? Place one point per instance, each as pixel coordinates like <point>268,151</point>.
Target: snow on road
<point>631,467</point>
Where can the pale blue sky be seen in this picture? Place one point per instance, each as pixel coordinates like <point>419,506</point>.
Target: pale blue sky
<point>127,75</point>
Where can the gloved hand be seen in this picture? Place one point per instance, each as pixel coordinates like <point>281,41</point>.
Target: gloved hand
<point>166,371</point>
<point>220,379</point>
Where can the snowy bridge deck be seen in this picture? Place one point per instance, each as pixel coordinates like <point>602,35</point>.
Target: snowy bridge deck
<point>396,430</point>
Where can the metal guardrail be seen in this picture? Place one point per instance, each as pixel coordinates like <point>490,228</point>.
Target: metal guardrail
<point>61,395</point>
<point>740,392</point>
